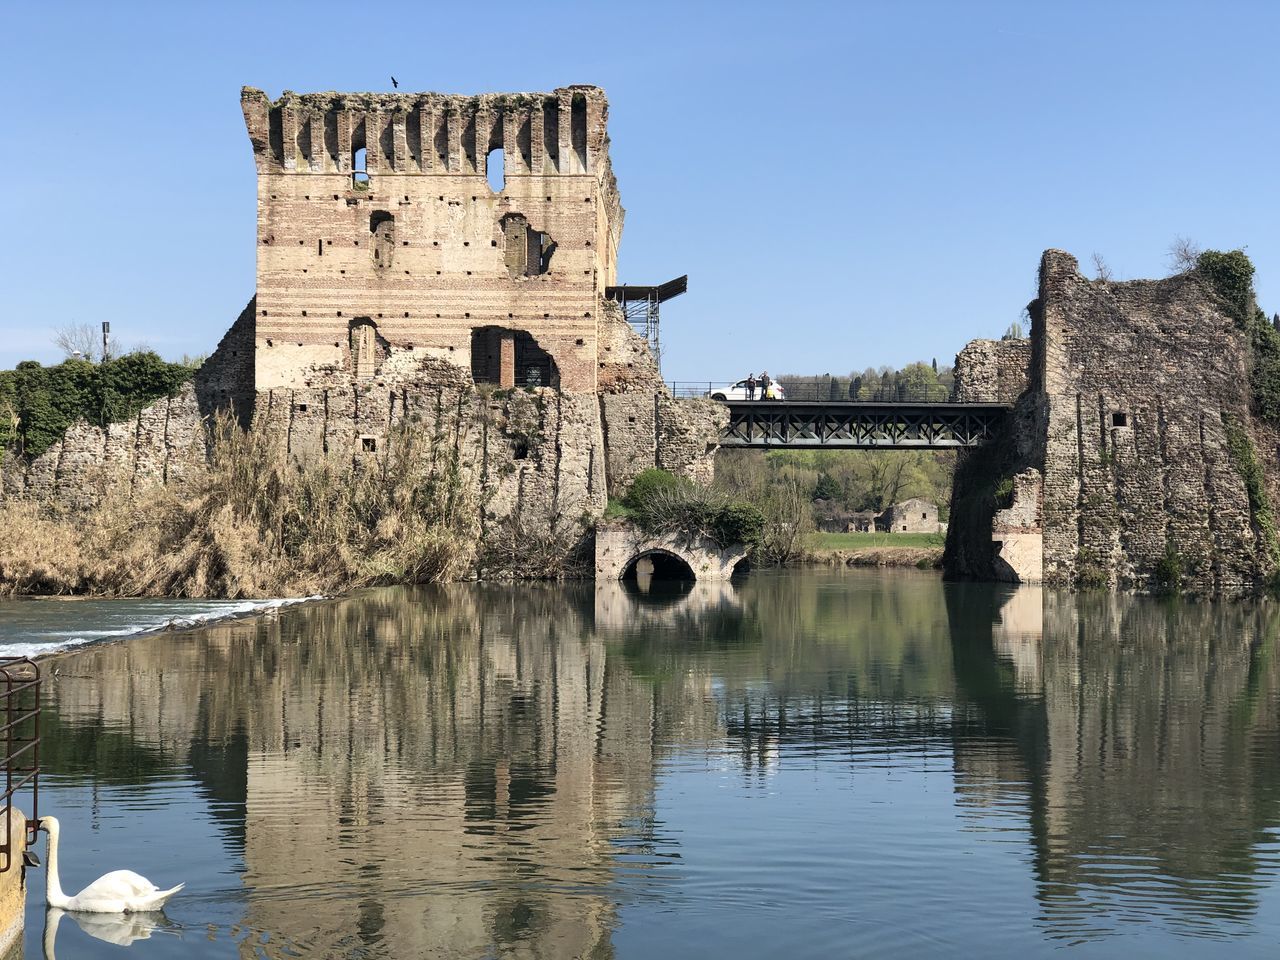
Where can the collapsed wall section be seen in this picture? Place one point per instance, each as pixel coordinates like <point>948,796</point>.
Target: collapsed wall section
<point>1119,453</point>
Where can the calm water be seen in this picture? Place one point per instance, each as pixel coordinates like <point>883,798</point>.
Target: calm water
<point>807,765</point>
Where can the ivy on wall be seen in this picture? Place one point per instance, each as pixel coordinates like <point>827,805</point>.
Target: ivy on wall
<point>39,403</point>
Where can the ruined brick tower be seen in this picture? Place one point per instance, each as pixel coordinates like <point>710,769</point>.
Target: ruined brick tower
<point>381,242</point>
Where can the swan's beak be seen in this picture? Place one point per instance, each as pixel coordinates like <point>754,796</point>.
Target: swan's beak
<point>30,859</point>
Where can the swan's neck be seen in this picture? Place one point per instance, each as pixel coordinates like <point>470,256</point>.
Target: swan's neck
<point>53,887</point>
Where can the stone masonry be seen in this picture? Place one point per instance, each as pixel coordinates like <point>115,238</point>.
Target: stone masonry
<point>396,286</point>
<point>1116,457</point>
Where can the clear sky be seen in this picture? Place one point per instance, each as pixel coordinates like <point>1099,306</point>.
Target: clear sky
<point>846,184</point>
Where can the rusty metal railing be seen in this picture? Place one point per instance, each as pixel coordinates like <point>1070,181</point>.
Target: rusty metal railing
<point>20,710</point>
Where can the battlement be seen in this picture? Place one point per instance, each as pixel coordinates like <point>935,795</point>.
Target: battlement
<point>539,134</point>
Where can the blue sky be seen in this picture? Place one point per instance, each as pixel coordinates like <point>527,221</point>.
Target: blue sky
<point>846,184</point>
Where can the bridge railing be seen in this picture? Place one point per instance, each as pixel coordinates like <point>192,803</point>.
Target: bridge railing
<point>816,390</point>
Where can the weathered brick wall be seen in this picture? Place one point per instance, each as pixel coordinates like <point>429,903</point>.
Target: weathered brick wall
<point>421,250</point>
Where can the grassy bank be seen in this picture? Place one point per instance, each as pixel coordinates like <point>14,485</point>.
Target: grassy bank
<point>867,541</point>
<point>922,550</point>
<point>255,525</point>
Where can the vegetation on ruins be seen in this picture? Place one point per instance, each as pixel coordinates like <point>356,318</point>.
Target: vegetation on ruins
<point>1169,570</point>
<point>660,502</point>
<point>256,524</point>
<point>39,403</point>
<point>1230,275</point>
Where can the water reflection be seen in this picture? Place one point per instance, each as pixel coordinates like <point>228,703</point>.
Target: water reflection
<point>475,770</point>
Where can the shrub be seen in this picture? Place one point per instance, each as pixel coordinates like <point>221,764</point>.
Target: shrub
<point>699,511</point>
<point>1240,446</point>
<point>39,403</point>
<point>647,483</point>
<point>254,525</point>
<point>1169,570</point>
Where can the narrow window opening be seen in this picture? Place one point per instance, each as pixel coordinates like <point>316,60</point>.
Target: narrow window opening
<point>521,451</point>
<point>359,169</point>
<point>302,408</point>
<point>493,166</point>
<point>1119,419</point>
<point>369,444</point>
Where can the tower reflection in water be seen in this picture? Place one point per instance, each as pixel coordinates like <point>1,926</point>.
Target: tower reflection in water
<point>477,766</point>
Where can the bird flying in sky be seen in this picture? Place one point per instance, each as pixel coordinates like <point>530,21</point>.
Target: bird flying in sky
<point>394,83</point>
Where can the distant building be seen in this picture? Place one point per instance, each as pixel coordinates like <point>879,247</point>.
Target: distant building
<point>863,521</point>
<point>911,516</point>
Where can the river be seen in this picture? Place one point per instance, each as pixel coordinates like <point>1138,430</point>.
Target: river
<point>814,763</point>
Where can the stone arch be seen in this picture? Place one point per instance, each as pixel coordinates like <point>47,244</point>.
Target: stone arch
<point>621,545</point>
<point>664,565</point>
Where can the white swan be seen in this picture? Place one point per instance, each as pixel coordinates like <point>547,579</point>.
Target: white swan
<point>120,891</point>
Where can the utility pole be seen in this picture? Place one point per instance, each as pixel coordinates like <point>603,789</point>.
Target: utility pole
<point>106,330</point>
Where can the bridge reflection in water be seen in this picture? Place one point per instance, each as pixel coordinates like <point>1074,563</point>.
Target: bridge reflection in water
<point>558,771</point>
<point>839,425</point>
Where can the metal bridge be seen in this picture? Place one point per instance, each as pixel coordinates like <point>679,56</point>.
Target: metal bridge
<point>846,425</point>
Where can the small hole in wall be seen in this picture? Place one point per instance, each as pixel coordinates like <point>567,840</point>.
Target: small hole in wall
<point>369,444</point>
<point>466,243</point>
<point>435,243</point>
<point>451,349</point>
<point>335,343</point>
<point>269,343</point>
<point>493,243</point>
<point>302,408</point>
<point>631,419</point>
<point>437,273</point>
<point>580,342</point>
<point>521,451</point>
<point>406,313</point>
<point>404,243</point>
<point>467,315</point>
<point>304,313</point>
<point>339,313</point>
<point>468,273</point>
<point>1119,419</point>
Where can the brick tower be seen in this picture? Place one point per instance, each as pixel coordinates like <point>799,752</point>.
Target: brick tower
<point>381,242</point>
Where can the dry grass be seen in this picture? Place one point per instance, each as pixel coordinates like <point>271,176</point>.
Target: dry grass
<point>255,525</point>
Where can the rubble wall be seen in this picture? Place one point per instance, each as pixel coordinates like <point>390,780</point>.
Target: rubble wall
<point>1117,454</point>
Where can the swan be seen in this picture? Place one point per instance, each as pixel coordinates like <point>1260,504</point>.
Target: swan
<point>120,891</point>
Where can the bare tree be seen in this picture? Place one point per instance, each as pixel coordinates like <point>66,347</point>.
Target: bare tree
<point>78,340</point>
<point>1102,267</point>
<point>1184,254</point>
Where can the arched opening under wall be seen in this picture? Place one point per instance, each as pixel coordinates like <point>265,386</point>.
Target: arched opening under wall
<point>511,358</point>
<point>494,171</point>
<point>658,575</point>
<point>741,570</point>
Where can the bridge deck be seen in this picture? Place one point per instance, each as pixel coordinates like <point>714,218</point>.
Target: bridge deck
<point>837,425</point>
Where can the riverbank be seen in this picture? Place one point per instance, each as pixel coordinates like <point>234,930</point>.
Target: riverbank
<point>920,550</point>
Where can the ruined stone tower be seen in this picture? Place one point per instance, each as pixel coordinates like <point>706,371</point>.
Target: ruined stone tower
<point>381,241</point>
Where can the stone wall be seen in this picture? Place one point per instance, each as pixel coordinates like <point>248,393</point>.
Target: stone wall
<point>1117,452</point>
<point>992,371</point>
<point>164,443</point>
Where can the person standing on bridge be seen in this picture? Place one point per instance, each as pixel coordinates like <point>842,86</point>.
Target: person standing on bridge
<point>765,382</point>
<point>751,386</point>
